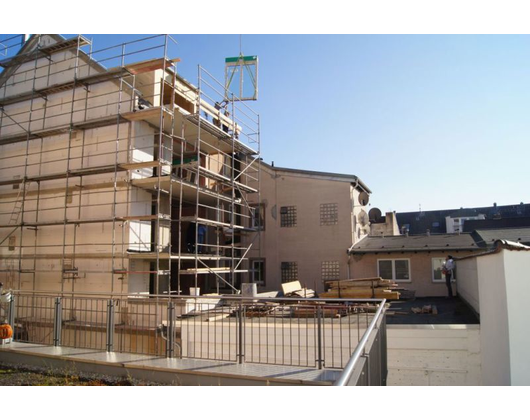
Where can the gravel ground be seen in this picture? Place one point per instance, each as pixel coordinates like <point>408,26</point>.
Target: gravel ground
<point>22,375</point>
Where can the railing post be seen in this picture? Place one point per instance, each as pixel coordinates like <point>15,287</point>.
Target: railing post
<point>110,324</point>
<point>57,322</point>
<point>241,338</point>
<point>384,355</point>
<point>319,337</point>
<point>11,315</point>
<point>170,343</point>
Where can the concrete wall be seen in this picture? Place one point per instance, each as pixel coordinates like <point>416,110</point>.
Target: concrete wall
<point>496,286</point>
<point>434,355</point>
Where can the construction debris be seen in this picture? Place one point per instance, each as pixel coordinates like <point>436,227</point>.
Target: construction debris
<point>295,289</point>
<point>373,287</point>
<point>427,309</point>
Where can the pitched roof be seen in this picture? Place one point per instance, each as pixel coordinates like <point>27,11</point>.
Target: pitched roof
<point>487,237</point>
<point>328,175</point>
<point>400,243</point>
<point>434,220</point>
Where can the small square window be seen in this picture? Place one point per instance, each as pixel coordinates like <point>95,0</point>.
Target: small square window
<point>289,271</point>
<point>329,214</point>
<point>288,216</point>
<point>330,270</point>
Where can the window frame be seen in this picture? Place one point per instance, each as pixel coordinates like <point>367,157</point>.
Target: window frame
<point>282,270</point>
<point>409,280</point>
<point>261,215</point>
<point>330,269</point>
<point>263,281</point>
<point>453,279</point>
<point>330,211</point>
<point>293,218</point>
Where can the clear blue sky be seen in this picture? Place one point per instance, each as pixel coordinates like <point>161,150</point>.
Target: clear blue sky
<point>441,121</point>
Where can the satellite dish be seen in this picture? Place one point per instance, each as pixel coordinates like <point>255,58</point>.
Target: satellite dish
<point>374,215</point>
<point>364,198</point>
<point>362,218</point>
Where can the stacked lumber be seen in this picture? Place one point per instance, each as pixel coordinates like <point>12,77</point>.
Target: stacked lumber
<point>373,287</point>
<point>324,313</point>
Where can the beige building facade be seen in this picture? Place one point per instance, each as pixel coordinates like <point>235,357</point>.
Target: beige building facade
<point>309,220</point>
<point>119,175</point>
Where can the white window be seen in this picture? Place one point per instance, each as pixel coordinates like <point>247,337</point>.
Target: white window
<point>437,275</point>
<point>397,270</point>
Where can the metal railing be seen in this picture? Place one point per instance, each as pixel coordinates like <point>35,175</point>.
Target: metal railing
<point>315,333</point>
<point>368,364</point>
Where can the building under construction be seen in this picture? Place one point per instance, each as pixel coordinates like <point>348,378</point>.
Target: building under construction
<point>118,175</point>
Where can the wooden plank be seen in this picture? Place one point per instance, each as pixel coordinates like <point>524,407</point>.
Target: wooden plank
<point>355,282</point>
<point>150,65</point>
<point>378,294</point>
<point>365,284</point>
<point>141,165</point>
<point>291,287</point>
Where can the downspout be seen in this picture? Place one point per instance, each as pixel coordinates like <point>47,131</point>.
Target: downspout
<point>353,231</point>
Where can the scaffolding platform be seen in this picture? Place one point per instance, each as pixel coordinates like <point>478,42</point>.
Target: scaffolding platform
<point>125,178</point>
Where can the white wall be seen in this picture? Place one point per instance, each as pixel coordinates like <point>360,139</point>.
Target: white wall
<point>500,283</point>
<point>467,284</point>
<point>434,355</point>
<point>494,320</point>
<point>517,269</point>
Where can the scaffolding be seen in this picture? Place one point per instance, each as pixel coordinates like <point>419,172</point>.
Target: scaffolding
<point>118,175</point>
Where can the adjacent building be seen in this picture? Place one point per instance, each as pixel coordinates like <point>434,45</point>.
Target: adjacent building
<point>461,220</point>
<point>415,262</point>
<point>307,222</point>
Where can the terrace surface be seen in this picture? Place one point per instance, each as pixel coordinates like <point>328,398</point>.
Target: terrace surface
<point>450,311</point>
<point>163,370</point>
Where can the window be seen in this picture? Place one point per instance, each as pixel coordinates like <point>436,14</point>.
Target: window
<point>258,217</point>
<point>437,275</point>
<point>288,216</point>
<point>330,270</point>
<point>258,271</point>
<point>397,270</point>
<point>289,271</point>
<point>329,214</point>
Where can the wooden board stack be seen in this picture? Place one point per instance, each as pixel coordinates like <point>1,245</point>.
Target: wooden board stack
<point>373,287</point>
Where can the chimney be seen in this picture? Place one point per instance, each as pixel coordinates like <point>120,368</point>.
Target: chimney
<point>272,164</point>
<point>428,232</point>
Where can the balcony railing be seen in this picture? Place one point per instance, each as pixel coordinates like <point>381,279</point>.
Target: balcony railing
<point>349,335</point>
